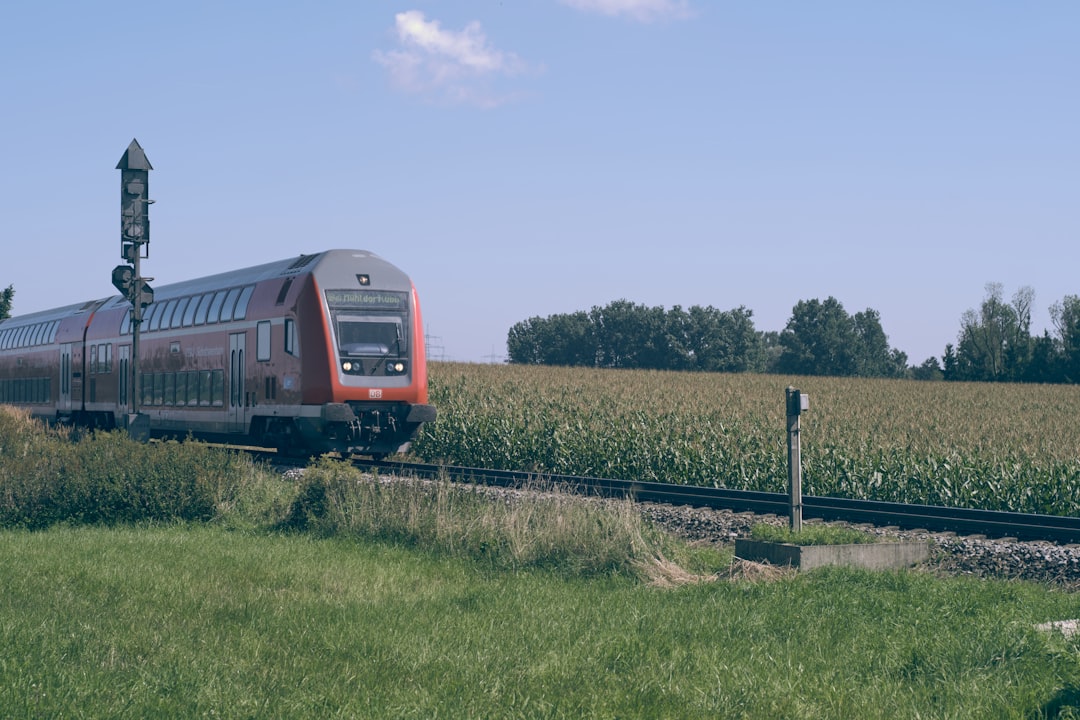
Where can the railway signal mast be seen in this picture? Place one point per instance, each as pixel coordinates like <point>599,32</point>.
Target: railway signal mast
<point>134,246</point>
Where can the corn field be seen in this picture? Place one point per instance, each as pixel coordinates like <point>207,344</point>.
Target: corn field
<point>990,446</point>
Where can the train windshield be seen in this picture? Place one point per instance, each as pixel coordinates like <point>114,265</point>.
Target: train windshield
<point>367,336</point>
<point>370,323</point>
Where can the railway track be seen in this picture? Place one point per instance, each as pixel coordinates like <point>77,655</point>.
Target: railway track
<point>962,521</point>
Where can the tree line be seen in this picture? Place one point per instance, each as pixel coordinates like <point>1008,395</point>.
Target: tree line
<point>994,343</point>
<point>821,338</point>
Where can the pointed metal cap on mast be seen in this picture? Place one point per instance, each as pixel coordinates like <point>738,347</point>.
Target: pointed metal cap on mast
<point>134,158</point>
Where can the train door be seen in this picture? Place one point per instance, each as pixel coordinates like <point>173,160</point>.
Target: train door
<point>64,405</point>
<point>237,389</point>
<point>123,402</point>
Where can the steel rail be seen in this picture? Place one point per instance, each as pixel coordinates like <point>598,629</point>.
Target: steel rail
<point>932,518</point>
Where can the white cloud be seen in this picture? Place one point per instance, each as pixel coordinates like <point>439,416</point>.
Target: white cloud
<point>641,10</point>
<point>454,66</point>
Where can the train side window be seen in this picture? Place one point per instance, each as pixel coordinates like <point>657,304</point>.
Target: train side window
<point>93,360</point>
<point>205,384</point>
<point>242,304</point>
<point>163,317</point>
<point>19,342</point>
<point>151,318</point>
<point>170,388</point>
<point>192,387</point>
<point>3,339</point>
<point>189,313</point>
<point>204,305</point>
<point>290,336</point>
<point>262,341</point>
<point>218,387</point>
<point>178,313</point>
<point>215,306</point>
<point>39,336</point>
<point>229,305</point>
<point>107,359</point>
<point>146,389</point>
<point>35,338</point>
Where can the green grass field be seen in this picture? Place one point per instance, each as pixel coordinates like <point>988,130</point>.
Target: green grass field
<point>198,621</point>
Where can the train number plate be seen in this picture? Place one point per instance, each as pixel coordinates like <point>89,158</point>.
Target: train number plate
<point>374,394</point>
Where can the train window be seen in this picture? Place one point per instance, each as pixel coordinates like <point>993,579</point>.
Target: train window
<point>242,304</point>
<point>146,389</point>
<point>151,317</point>
<point>170,389</point>
<point>163,318</point>
<point>189,314</point>
<point>283,292</point>
<point>205,385</point>
<point>178,313</point>
<point>217,387</point>
<point>229,305</point>
<point>21,339</point>
<point>203,307</point>
<point>93,360</point>
<point>370,335</point>
<point>290,337</point>
<point>262,341</point>
<point>125,324</point>
<point>4,338</point>
<point>105,358</point>
<point>35,334</point>
<point>215,306</point>
<point>192,387</point>
<point>39,337</point>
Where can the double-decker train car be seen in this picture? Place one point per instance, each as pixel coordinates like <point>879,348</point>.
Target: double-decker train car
<point>318,353</point>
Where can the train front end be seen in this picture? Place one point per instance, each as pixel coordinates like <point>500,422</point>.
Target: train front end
<point>375,398</point>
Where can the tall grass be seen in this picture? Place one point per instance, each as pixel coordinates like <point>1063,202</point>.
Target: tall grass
<point>542,528</point>
<point>1006,447</point>
<point>106,478</point>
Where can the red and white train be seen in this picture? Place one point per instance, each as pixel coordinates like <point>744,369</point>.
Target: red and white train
<point>318,353</point>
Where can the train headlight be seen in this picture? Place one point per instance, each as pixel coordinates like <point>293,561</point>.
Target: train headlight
<point>346,366</point>
<point>395,367</point>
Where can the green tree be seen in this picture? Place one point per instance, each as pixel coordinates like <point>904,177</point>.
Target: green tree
<point>995,343</point>
<point>929,370</point>
<point>630,336</point>
<point>556,340</point>
<point>822,339</point>
<point>819,339</point>
<point>1065,315</point>
<point>6,297</point>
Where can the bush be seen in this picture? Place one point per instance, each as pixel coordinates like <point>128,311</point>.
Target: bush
<point>105,478</point>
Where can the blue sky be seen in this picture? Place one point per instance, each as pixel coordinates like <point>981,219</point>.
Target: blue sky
<point>533,157</point>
